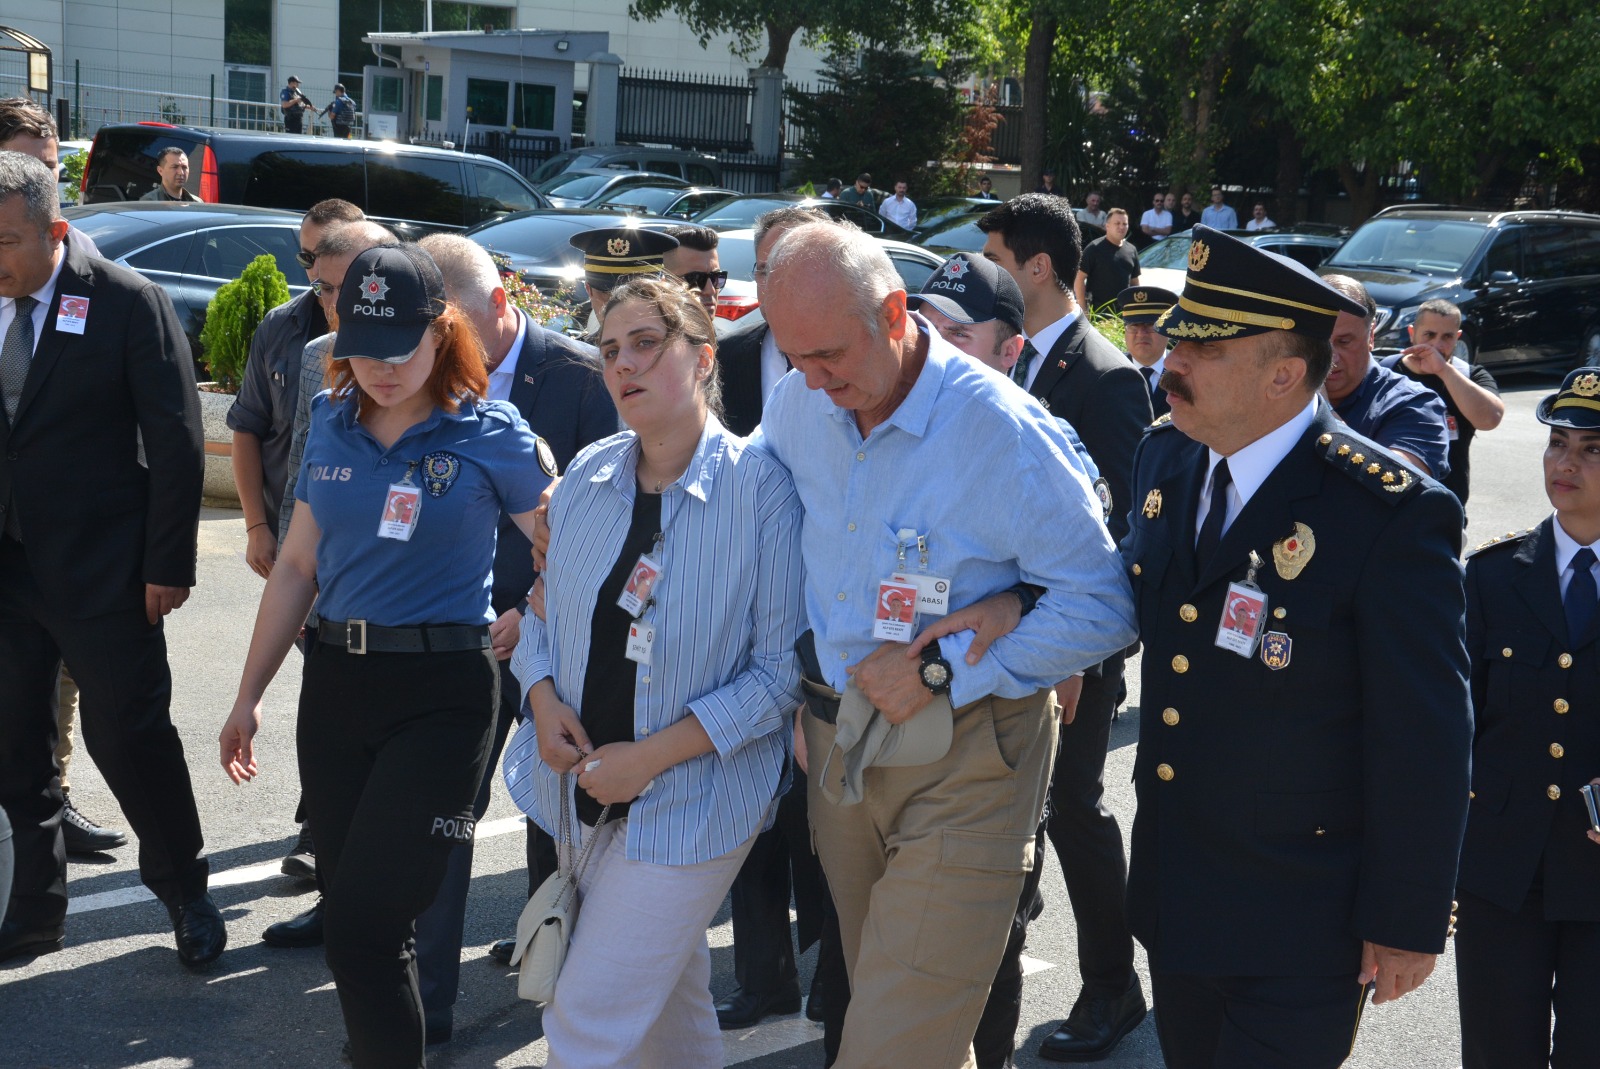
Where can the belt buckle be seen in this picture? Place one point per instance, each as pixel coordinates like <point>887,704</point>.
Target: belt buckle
<point>350,636</point>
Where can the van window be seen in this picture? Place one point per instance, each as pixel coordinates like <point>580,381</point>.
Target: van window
<point>296,180</point>
<point>123,164</point>
<point>1548,251</point>
<point>499,193</point>
<point>226,251</point>
<point>424,188</point>
<point>700,175</point>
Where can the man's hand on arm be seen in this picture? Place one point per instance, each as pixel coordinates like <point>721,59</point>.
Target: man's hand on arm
<point>161,600</point>
<point>541,526</point>
<point>1395,972</point>
<point>989,618</point>
<point>892,682</point>
<point>504,633</point>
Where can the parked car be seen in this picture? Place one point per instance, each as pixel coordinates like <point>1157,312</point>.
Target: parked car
<point>192,250</point>
<point>961,234</point>
<point>1166,262</point>
<point>740,213</point>
<point>936,212</point>
<point>579,189</point>
<point>696,167</point>
<point>537,245</point>
<point>1527,282</point>
<point>668,202</point>
<point>414,189</point>
<point>736,253</point>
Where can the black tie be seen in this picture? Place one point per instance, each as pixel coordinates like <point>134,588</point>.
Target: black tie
<point>1149,378</point>
<point>1216,515</point>
<point>1019,372</point>
<point>1580,602</point>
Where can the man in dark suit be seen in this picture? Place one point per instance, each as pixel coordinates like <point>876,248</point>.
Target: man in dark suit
<point>1080,377</point>
<point>555,383</point>
<point>1141,306</point>
<point>1303,749</point>
<point>97,546</point>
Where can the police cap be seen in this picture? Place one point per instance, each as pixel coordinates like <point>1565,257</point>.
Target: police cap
<point>616,253</point>
<point>1577,404</point>
<point>970,289</point>
<point>390,297</point>
<point>1144,304</point>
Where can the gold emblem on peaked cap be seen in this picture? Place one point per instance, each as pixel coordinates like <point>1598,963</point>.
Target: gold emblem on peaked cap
<point>1291,554</point>
<point>1199,256</point>
<point>1587,385</point>
<point>1152,505</point>
<point>1140,296</point>
<point>619,246</point>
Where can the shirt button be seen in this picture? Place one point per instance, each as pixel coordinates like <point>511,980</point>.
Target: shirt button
<point>1560,705</point>
<point>644,679</point>
<point>1169,717</point>
<point>861,456</point>
<point>1180,664</point>
<point>841,595</point>
<point>843,656</point>
<point>1565,660</point>
<point>1557,750</point>
<point>1164,773</point>
<point>385,460</point>
<point>850,527</point>
<point>1553,792</point>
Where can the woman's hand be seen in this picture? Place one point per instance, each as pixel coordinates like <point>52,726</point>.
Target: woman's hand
<point>562,741</point>
<point>237,742</point>
<point>616,772</point>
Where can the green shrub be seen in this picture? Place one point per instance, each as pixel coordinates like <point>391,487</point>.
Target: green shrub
<point>233,316</point>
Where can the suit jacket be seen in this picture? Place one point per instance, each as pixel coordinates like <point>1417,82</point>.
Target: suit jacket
<point>1087,382</point>
<point>98,524</point>
<point>1536,695</point>
<point>559,392</point>
<point>739,364</point>
<point>1296,802</point>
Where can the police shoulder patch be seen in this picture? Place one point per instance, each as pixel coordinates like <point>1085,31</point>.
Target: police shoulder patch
<point>1510,538</point>
<point>1102,490</point>
<point>547,457</point>
<point>1371,465</point>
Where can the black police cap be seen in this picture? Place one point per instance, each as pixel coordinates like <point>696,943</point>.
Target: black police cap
<point>1144,304</point>
<point>1577,404</point>
<point>971,289</point>
<point>619,251</point>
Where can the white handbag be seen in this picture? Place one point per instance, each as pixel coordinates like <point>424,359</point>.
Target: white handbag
<point>545,926</point>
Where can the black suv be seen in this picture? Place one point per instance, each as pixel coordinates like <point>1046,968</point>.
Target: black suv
<point>1527,282</point>
<point>413,189</point>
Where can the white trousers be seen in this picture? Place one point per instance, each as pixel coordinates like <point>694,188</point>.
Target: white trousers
<point>635,989</point>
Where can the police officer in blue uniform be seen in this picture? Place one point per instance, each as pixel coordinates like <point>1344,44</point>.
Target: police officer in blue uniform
<point>611,256</point>
<point>405,476</point>
<point>1529,888</point>
<point>1140,307</point>
<point>1305,719</point>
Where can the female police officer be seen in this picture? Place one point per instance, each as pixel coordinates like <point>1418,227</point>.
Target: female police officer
<point>672,705</point>
<point>1529,885</point>
<point>406,471</point>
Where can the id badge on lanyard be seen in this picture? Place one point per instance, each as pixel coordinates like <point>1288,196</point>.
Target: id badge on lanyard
<point>906,595</point>
<point>637,596</point>
<point>1244,614</point>
<point>401,507</point>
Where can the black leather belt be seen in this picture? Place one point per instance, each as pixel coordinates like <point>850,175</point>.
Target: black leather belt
<point>358,636</point>
<point>821,699</point>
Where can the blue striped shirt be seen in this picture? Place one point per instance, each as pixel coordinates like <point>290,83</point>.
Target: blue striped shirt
<point>726,614</point>
<point>986,474</point>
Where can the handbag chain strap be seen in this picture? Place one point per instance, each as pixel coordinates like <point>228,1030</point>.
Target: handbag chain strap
<point>565,831</point>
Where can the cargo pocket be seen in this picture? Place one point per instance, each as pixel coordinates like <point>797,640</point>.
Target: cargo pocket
<point>970,900</point>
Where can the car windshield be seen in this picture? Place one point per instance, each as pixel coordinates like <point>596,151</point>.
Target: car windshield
<point>575,186</point>
<point>1426,246</point>
<point>1170,252</point>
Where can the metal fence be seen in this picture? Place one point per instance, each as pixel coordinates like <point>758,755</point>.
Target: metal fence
<point>706,112</point>
<point>749,173</point>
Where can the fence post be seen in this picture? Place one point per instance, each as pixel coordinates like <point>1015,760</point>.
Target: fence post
<point>77,94</point>
<point>766,111</point>
<point>213,121</point>
<point>600,119</point>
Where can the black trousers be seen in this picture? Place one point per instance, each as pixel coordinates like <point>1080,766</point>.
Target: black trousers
<point>1256,1022</point>
<point>780,861</point>
<point>1513,970</point>
<point>1088,843</point>
<point>392,749</point>
<point>120,663</point>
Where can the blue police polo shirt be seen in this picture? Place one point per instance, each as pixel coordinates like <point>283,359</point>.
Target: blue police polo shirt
<point>1399,413</point>
<point>469,465</point>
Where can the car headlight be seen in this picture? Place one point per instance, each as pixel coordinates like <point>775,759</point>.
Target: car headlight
<point>1401,321</point>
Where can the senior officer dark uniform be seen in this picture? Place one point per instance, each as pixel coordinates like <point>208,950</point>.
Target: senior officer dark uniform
<point>1140,307</point>
<point>1529,887</point>
<point>611,256</point>
<point>1301,801</point>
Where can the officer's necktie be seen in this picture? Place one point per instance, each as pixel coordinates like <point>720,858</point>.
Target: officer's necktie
<point>16,354</point>
<point>1149,379</point>
<point>1580,601</point>
<point>1216,515</point>
<point>1019,371</point>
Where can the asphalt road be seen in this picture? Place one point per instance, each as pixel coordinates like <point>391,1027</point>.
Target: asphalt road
<point>117,996</point>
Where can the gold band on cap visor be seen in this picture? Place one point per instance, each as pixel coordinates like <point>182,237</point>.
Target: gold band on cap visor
<point>628,267</point>
<point>1575,402</point>
<point>1234,315</point>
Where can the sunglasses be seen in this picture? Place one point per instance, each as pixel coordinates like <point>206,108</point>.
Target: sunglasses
<point>696,280</point>
<point>305,259</point>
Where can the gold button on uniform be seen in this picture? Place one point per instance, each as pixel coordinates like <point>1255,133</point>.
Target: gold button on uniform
<point>1560,705</point>
<point>1565,660</point>
<point>1137,570</point>
<point>1506,652</point>
<point>1164,773</point>
<point>1169,717</point>
<point>1321,831</point>
<point>1188,613</point>
<point>1279,613</point>
<point>1557,750</point>
<point>1326,439</point>
<point>1180,664</point>
<point>1553,791</point>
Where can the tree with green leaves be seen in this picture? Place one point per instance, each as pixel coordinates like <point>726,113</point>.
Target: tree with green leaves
<point>233,316</point>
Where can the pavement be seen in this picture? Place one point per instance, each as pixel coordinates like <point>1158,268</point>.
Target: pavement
<point>117,996</point>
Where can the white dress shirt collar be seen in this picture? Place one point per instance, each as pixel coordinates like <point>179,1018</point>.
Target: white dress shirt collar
<point>1566,548</point>
<point>1249,467</point>
<point>1046,340</point>
<point>503,377</point>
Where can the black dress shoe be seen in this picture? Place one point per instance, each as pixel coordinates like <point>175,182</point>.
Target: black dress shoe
<point>501,950</point>
<point>84,836</point>
<point>1095,1026</point>
<point>18,940</point>
<point>744,1009</point>
<point>200,932</point>
<point>301,862</point>
<point>816,1001</point>
<point>297,932</point>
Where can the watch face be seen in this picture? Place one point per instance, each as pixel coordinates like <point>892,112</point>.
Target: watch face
<point>935,676</point>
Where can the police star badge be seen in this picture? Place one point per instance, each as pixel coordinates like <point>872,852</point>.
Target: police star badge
<point>1140,296</point>
<point>1152,504</point>
<point>374,288</point>
<point>1199,256</point>
<point>1291,555</point>
<point>618,246</point>
<point>1275,650</point>
<point>439,472</point>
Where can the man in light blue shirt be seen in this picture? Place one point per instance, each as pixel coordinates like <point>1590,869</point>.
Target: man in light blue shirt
<point>913,461</point>
<point>1219,215</point>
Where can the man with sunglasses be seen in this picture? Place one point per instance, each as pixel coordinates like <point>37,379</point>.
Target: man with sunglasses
<point>695,261</point>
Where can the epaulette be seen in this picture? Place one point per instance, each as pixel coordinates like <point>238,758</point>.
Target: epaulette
<point>1510,538</point>
<point>1374,467</point>
<point>1161,422</point>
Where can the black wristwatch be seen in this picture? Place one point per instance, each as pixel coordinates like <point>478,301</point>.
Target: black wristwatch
<point>935,669</point>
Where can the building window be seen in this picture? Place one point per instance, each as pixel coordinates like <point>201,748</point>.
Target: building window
<point>388,93</point>
<point>536,107</point>
<point>487,99</point>
<point>434,92</point>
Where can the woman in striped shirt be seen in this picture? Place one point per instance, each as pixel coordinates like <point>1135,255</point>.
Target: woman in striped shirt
<point>663,679</point>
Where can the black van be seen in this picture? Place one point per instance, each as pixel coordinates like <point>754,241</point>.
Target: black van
<point>411,188</point>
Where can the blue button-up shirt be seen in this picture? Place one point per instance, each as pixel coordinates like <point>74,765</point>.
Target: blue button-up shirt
<point>982,471</point>
<point>486,459</point>
<point>727,612</point>
<point>1399,413</point>
<point>1222,217</point>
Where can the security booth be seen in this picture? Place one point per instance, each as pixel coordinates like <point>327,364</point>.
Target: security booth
<point>448,85</point>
